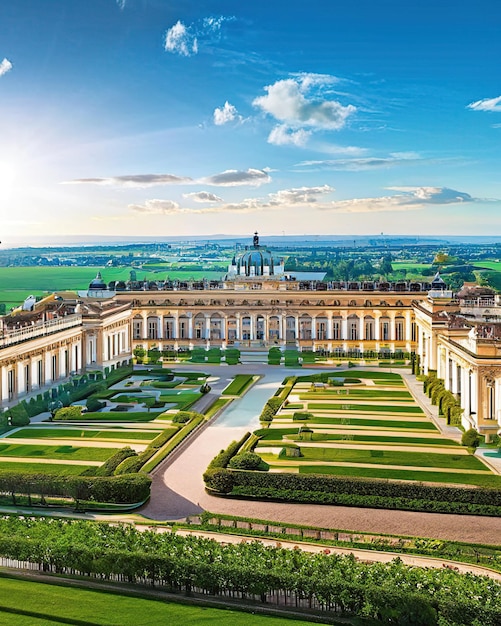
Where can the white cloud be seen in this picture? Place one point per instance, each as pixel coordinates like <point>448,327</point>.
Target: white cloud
<point>185,39</point>
<point>282,135</point>
<point>5,66</point>
<point>224,115</point>
<point>121,4</point>
<point>365,163</point>
<point>288,101</point>
<point>134,180</point>
<point>283,199</point>
<point>411,198</point>
<point>234,178</point>
<point>203,196</point>
<point>180,40</point>
<point>157,207</point>
<point>487,104</point>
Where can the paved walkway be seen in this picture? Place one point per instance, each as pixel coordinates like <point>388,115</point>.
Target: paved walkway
<point>178,490</point>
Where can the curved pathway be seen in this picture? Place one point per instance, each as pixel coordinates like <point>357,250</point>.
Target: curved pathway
<point>178,489</point>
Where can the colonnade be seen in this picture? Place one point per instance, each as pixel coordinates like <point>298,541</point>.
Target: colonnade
<point>342,326</point>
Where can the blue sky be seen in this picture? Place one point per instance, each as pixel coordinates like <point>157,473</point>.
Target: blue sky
<point>170,117</point>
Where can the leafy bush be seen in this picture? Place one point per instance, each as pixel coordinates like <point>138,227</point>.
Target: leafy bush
<point>109,466</point>
<point>470,438</point>
<point>18,415</point>
<point>223,458</point>
<point>68,413</point>
<point>245,461</point>
<point>94,404</point>
<point>301,416</point>
<point>181,417</point>
<point>130,465</point>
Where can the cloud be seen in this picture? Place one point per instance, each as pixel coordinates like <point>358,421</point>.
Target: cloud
<point>224,115</point>
<point>185,40</point>
<point>157,207</point>
<point>121,4</point>
<point>487,104</point>
<point>282,135</point>
<point>365,163</point>
<point>5,66</point>
<point>203,196</point>
<point>134,180</point>
<point>303,196</point>
<point>179,39</point>
<point>411,198</point>
<point>290,102</point>
<point>234,178</point>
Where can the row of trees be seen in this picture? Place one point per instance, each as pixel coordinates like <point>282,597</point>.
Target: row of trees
<point>389,592</point>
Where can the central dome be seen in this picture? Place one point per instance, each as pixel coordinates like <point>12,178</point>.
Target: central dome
<point>255,261</point>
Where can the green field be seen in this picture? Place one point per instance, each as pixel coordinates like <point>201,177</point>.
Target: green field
<point>26,603</point>
<point>19,282</point>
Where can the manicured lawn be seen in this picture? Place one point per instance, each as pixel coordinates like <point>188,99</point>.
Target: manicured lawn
<point>238,385</point>
<point>218,404</point>
<point>376,394</point>
<point>367,421</point>
<point>276,434</point>
<point>369,408</point>
<point>76,433</point>
<point>480,480</point>
<point>45,468</point>
<point>61,604</point>
<point>56,452</point>
<point>392,457</point>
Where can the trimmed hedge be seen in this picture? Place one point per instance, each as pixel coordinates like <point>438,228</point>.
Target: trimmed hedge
<point>129,489</point>
<point>110,465</point>
<point>222,459</point>
<point>357,491</point>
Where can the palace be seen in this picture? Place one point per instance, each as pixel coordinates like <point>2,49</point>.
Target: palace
<point>256,306</point>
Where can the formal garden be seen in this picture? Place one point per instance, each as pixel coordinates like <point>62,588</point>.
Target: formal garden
<point>359,438</point>
<point>96,437</point>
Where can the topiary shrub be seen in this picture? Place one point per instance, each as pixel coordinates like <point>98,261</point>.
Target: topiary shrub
<point>182,417</point>
<point>301,416</point>
<point>246,461</point>
<point>93,404</point>
<point>68,413</point>
<point>110,465</point>
<point>470,438</point>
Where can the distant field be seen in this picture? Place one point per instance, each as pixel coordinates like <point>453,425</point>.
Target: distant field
<point>17,283</point>
<point>488,265</point>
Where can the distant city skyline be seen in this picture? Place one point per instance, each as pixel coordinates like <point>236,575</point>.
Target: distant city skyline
<point>139,118</point>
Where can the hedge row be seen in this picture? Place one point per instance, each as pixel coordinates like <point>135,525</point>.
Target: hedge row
<point>223,458</point>
<point>320,488</point>
<point>107,489</point>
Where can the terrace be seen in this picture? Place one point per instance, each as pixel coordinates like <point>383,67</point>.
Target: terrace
<point>12,336</point>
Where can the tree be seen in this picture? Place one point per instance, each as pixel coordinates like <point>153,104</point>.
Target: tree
<point>139,353</point>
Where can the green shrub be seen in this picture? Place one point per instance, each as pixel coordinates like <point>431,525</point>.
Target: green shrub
<point>181,417</point>
<point>94,404</point>
<point>245,461</point>
<point>470,438</point>
<point>301,416</point>
<point>110,465</point>
<point>222,459</point>
<point>130,465</point>
<point>68,413</point>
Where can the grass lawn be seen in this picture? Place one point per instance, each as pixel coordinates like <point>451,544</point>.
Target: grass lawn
<point>352,392</point>
<point>76,433</point>
<point>368,408</point>
<point>46,468</point>
<point>276,434</point>
<point>480,480</point>
<point>218,404</point>
<point>238,385</point>
<point>392,457</point>
<point>56,603</point>
<point>56,452</point>
<point>367,421</point>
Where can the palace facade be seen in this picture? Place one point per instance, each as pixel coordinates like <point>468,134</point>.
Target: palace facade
<point>257,306</point>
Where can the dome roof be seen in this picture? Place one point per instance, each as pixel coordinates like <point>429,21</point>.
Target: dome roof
<point>98,284</point>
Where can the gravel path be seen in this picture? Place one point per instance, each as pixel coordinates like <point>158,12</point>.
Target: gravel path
<point>178,488</point>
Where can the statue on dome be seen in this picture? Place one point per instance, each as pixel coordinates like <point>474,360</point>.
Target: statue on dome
<point>255,241</point>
